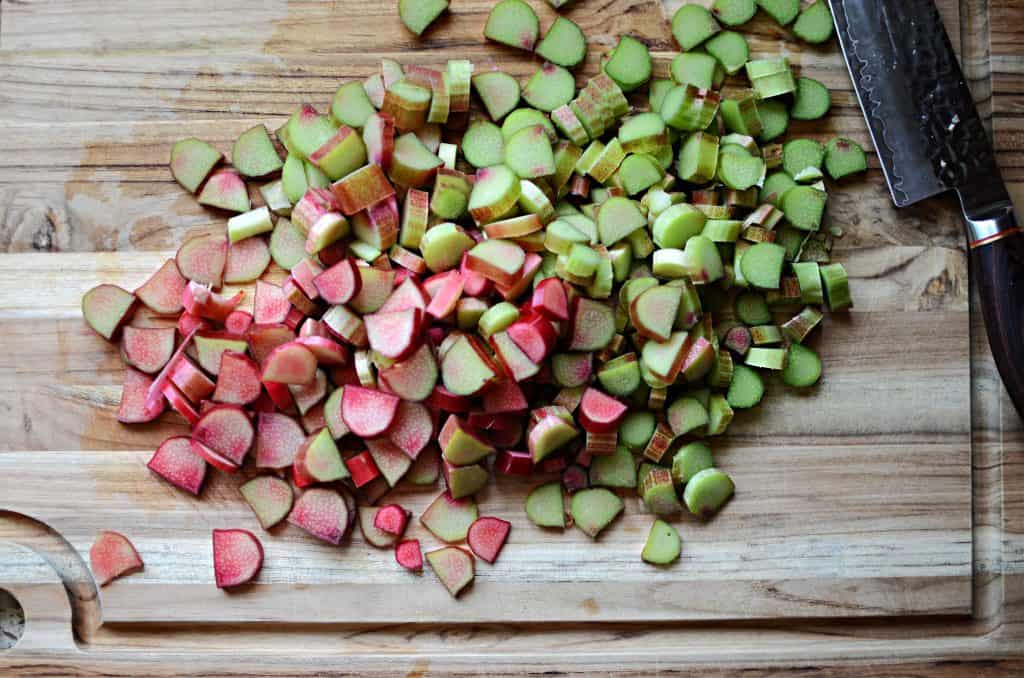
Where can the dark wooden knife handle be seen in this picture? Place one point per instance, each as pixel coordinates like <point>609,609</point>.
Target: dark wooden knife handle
<point>998,258</point>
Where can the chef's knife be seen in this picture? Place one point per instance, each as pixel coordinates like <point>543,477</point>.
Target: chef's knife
<point>930,139</point>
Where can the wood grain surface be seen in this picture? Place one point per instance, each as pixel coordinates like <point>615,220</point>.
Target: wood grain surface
<point>895,492</point>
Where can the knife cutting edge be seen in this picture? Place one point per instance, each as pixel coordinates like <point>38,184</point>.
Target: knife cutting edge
<point>930,139</point>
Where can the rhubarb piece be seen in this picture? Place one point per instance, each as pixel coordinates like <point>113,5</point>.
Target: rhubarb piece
<point>269,497</point>
<point>351,106</point>
<point>495,192</point>
<point>225,190</point>
<point>629,63</point>
<point>254,154</point>
<point>417,15</point>
<point>544,506</point>
<point>364,470</point>
<point>730,49</point>
<point>389,459</point>
<point>771,77</point>
<point>692,25</point>
<point>237,557</point>
<point>113,556</point>
<point>464,481</point>
<point>550,433</point>
<point>653,312</point>
<point>613,470</point>
<point>843,157</point>
<point>600,413</point>
<point>592,325</point>
<point>202,259</point>
<point>745,389</point>
<point>287,244</point>
<point>707,491</point>
<point>500,94</point>
<point>528,153</point>
<point>307,131</point>
<point>449,519</point>
<point>135,407</point>
<point>412,429</point>
<point>321,512</point>
<point>549,88</point>
<point>394,335</point>
<point>106,308</point>
<point>246,260</point>
<point>408,555</point>
<point>192,161</point>
<point>466,368</point>
<point>811,100</point>
<point>407,104</point>
<point>162,291</point>
<point>719,415</point>
<point>327,351</point>
<point>175,462</point>
<point>459,445</point>
<point>617,218</point>
<point>659,493</point>
<point>594,509</point>
<point>663,544</point>
<point>413,164</point>
<point>413,378</point>
<point>698,158</point>
<point>391,519</point>
<point>814,24</point>
<point>278,439</point>
<point>373,534</point>
<point>147,348</point>
<point>636,430</point>
<point>238,379</point>
<point>375,287</point>
<point>319,460</point>
<point>366,412</point>
<point>290,363</point>
<point>685,415</point>
<point>497,260</point>
<point>762,265</point>
<point>563,44</point>
<point>487,536</point>
<point>739,171</point>
<point>361,189</point>
<point>426,468</point>
<point>801,154</point>
<point>379,139</point>
<point>804,207</point>
<point>803,367</point>
<point>227,430</point>
<point>690,460</point>
<point>452,565</point>
<point>513,23</point>
<point>783,11</point>
<point>238,323</point>
<point>621,375</point>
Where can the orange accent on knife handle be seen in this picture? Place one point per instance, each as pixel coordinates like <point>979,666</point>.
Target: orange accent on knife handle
<point>998,263</point>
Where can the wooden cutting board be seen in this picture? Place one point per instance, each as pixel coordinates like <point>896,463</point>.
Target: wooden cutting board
<point>853,500</point>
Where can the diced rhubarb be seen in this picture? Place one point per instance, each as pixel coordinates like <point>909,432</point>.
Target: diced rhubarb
<point>113,556</point>
<point>175,462</point>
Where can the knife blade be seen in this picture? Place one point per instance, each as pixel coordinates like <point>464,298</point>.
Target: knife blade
<point>930,139</point>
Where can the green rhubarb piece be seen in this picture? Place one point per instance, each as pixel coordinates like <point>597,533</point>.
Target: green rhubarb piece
<point>783,11</point>
<point>513,23</point>
<point>734,12</point>
<point>468,312</point>
<point>253,154</point>
<point>293,178</point>
<point>442,246</point>
<point>560,236</point>
<point>799,154</point>
<point>814,25</point>
<point>719,415</point>
<point>582,261</point>
<point>803,367</point>
<point>621,375</point>
<point>807,274</point>
<point>351,106</point>
<point>771,77</point>
<point>811,100</point>
<point>594,509</point>
<point>521,118</point>
<point>638,172</point>
<point>287,244</point>
<point>762,335</point>
<point>741,115</point>
<point>799,326</point>
<point>450,519</point>
<point>269,497</point>
<point>192,161</point>
<point>723,230</point>
<point>844,157</point>
<point>322,461</point>
<point>550,434</point>
<point>459,446</point>
<point>766,358</point>
<point>617,218</point>
<point>593,325</point>
<point>658,89</point>
<point>345,152</point>
<point>659,492</point>
<point>730,49</point>
<point>685,415</point>
<point>495,191</point>
<point>248,224</point>
<point>762,265</point>
<point>746,388</point>
<point>775,186</point>
<point>315,177</point>
<point>363,250</point>
<point>615,470</point>
<point>564,118</point>
<point>774,119</point>
<point>465,481</point>
<point>483,144</point>
<point>545,506</point>
<point>692,25</point>
<point>707,492</point>
<point>607,162</point>
<point>528,153</point>
<point>412,163</point>
<point>740,171</point>
<point>621,256</point>
<point>533,200</point>
<point>225,190</point>
<point>690,460</point>
<point>701,260</point>
<point>451,195</point>
<point>570,370</point>
<point>643,133</point>
<point>663,544</point>
<point>837,287</point>
<point>551,87</point>
<point>277,200</point>
<point>636,429</point>
<point>497,318</point>
<point>308,130</point>
<point>210,349</point>
<point>687,108</point>
<point>426,467</point>
<point>629,64</point>
<point>698,158</point>
<point>677,224</point>
<point>499,91</point>
<point>417,15</point>
<point>804,207</point>
<point>808,175</point>
<point>693,68</point>
<point>564,44</point>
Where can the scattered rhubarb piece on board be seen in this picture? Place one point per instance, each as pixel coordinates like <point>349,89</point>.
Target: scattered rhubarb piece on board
<point>237,557</point>
<point>113,556</point>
